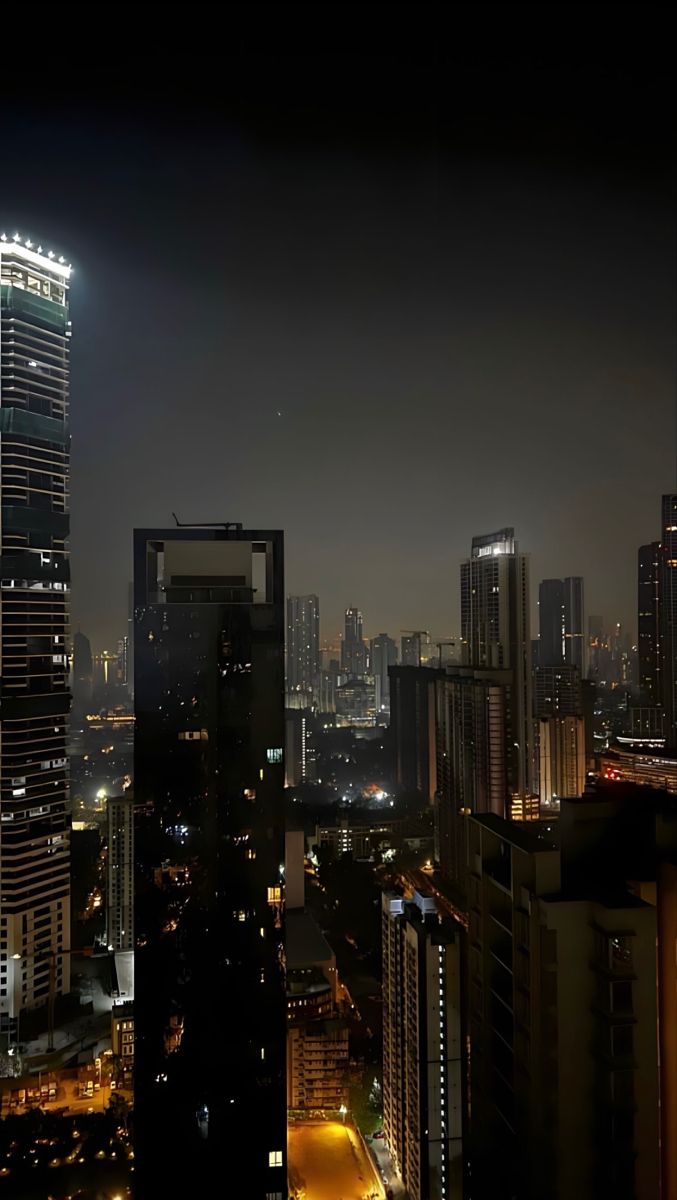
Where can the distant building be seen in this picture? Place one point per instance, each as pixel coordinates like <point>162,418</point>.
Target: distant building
<point>83,675</point>
<point>423,1047</point>
<point>415,648</point>
<point>412,726</point>
<point>355,702</point>
<point>120,873</point>
<point>496,633</point>
<point>122,1040</point>
<point>668,619</point>
<point>473,759</point>
<point>303,643</point>
<point>649,623</point>
<point>383,656</point>
<point>361,839</point>
<point>563,1009</point>
<point>353,648</point>
<point>561,623</point>
<point>645,765</point>
<point>561,747</point>
<point>557,692</point>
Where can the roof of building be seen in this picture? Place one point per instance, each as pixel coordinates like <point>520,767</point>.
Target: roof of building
<point>522,835</point>
<point>305,941</point>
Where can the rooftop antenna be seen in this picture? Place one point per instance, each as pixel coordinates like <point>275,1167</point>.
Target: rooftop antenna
<point>227,525</point>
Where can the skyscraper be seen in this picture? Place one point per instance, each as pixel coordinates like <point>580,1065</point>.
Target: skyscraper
<point>561,628</point>
<point>303,643</point>
<point>209,778</point>
<point>34,629</point>
<point>648,622</point>
<point>423,1067</point>
<point>120,873</point>
<point>496,632</point>
<point>383,656</point>
<point>353,649</point>
<point>668,621</point>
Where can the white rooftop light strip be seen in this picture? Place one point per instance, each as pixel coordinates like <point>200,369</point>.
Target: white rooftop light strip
<point>15,248</point>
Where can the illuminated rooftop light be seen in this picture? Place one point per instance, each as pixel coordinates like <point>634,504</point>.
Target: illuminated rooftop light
<point>38,256</point>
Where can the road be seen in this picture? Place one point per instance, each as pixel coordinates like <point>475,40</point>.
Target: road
<point>327,1161</point>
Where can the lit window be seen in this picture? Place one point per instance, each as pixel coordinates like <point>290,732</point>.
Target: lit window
<point>274,895</point>
<point>275,1158</point>
<point>274,755</point>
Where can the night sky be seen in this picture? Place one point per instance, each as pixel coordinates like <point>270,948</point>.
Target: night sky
<point>442,248</point>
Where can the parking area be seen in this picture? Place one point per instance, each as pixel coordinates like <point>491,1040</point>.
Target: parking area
<point>327,1161</point>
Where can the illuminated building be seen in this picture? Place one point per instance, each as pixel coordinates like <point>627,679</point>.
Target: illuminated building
<point>561,751</point>
<point>120,873</point>
<point>296,747</point>
<point>383,656</point>
<point>562,1009</point>
<point>361,839</point>
<point>496,633</point>
<point>209,778</point>
<point>303,643</point>
<point>648,765</point>
<point>34,629</point>
<point>423,1067</point>
<point>668,610</point>
<point>353,649</point>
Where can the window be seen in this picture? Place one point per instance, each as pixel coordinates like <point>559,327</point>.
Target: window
<point>275,1158</point>
<point>274,755</point>
<point>621,1040</point>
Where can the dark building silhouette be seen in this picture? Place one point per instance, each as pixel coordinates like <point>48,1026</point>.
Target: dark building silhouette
<point>83,674</point>
<point>412,727</point>
<point>668,622</point>
<point>383,656</point>
<point>561,623</point>
<point>209,778</point>
<point>571,1025</point>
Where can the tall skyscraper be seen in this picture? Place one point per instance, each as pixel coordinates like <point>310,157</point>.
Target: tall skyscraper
<point>353,649</point>
<point>561,622</point>
<point>303,643</point>
<point>34,629</point>
<point>120,873</point>
<point>496,632</point>
<point>209,778</point>
<point>83,675</point>
<point>668,609</point>
<point>412,727</point>
<point>423,1047</point>
<point>648,622</point>
<point>383,656</point>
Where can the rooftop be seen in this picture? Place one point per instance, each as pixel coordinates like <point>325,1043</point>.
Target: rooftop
<point>306,943</point>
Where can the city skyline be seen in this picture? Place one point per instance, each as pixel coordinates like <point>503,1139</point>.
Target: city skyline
<point>404,273</point>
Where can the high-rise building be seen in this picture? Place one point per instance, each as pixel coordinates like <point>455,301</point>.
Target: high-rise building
<point>562,1008</point>
<point>423,1047</point>
<point>561,622</point>
<point>383,656</point>
<point>496,632</point>
<point>473,758</point>
<point>34,629</point>
<point>668,609</point>
<point>561,758</point>
<point>353,649</point>
<point>596,647</point>
<point>416,649</point>
<point>83,675</point>
<point>209,778</point>
<point>120,874</point>
<point>558,692</point>
<point>303,643</point>
<point>412,726</point>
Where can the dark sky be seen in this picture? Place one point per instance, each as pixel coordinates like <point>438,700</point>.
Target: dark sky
<point>441,246</point>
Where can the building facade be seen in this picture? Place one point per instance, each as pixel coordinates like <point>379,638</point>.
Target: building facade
<point>668,616</point>
<point>34,629</point>
<point>412,727</point>
<point>303,643</point>
<point>562,1024</point>
<point>209,778</point>
<point>649,623</point>
<point>353,648</point>
<point>495,631</point>
<point>561,758</point>
<point>120,874</point>
<point>383,656</point>
<point>423,1055</point>
<point>561,623</point>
